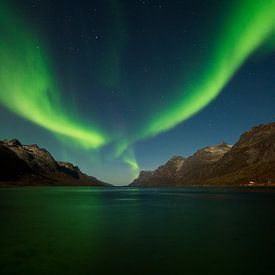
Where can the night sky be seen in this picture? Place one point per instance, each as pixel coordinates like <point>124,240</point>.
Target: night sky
<point>119,86</point>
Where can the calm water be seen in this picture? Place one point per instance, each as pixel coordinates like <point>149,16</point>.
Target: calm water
<point>137,231</point>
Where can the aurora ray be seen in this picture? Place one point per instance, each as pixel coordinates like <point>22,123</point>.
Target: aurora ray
<point>129,158</point>
<point>27,86</point>
<point>251,24</point>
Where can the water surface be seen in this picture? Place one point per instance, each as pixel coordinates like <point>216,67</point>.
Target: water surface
<point>49,230</point>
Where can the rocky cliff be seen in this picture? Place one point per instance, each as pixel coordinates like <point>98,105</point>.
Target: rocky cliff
<point>164,175</point>
<point>31,165</point>
<point>250,161</point>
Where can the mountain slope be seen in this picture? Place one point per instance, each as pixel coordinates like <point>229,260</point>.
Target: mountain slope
<point>250,161</point>
<point>12,167</point>
<point>31,165</point>
<point>178,170</point>
<point>165,174</point>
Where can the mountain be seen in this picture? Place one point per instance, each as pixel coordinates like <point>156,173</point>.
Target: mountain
<point>31,165</point>
<point>251,161</point>
<point>166,173</point>
<point>180,171</point>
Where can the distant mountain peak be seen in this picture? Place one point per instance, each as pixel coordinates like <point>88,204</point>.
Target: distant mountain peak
<point>13,142</point>
<point>250,160</point>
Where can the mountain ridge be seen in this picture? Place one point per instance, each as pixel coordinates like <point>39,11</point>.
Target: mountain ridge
<point>250,161</point>
<point>32,165</point>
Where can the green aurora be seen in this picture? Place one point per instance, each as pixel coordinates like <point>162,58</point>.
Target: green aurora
<point>28,87</point>
<point>249,26</point>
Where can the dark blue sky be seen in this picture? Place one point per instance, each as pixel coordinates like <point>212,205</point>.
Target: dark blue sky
<point>119,62</point>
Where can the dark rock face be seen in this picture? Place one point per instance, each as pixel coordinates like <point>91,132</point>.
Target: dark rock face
<point>164,175</point>
<point>31,165</point>
<point>68,169</point>
<point>12,167</point>
<point>178,170</point>
<point>199,165</point>
<point>250,161</point>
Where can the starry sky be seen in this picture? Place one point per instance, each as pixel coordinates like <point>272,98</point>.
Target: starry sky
<point>119,86</point>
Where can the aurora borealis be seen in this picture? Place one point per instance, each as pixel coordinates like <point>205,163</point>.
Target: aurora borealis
<point>251,24</point>
<point>111,80</point>
<point>28,87</point>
